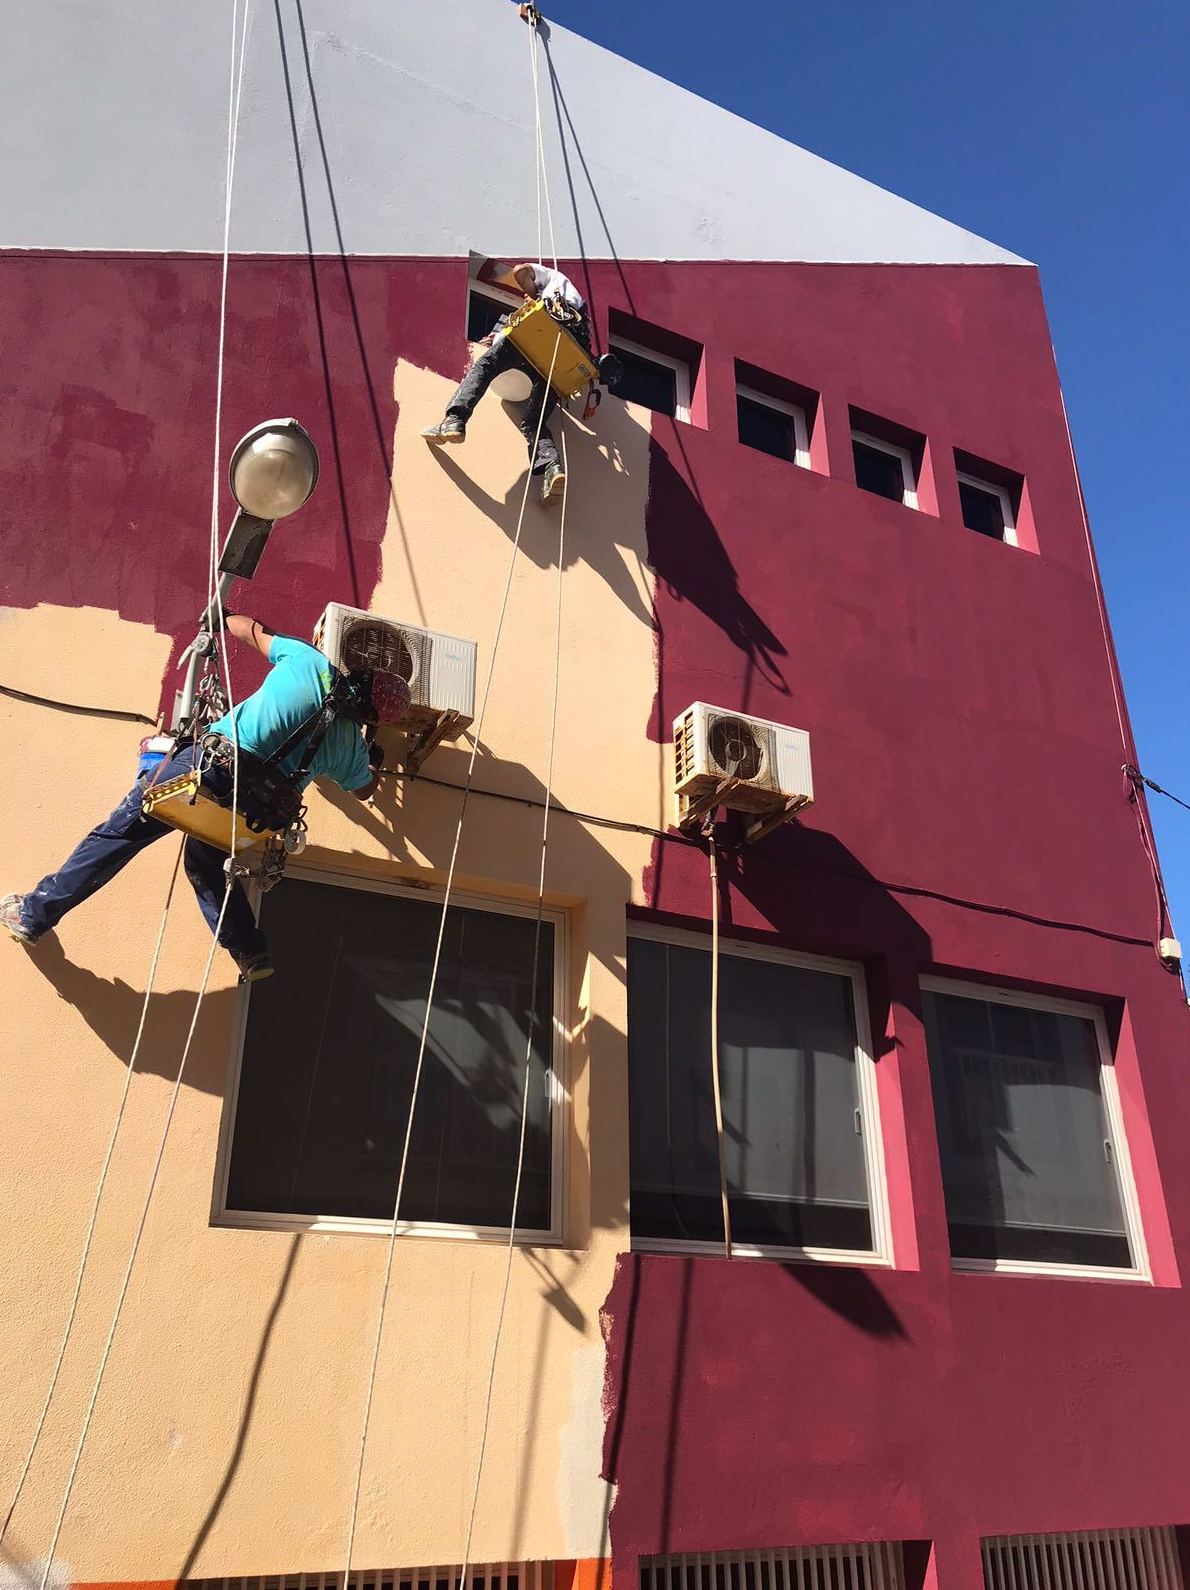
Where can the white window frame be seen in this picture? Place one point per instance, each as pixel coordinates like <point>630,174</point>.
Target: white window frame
<point>993,490</point>
<point>560,1098</point>
<point>881,1252</point>
<point>494,295</point>
<point>904,457</point>
<point>1110,1093</point>
<point>801,433</point>
<point>679,366</point>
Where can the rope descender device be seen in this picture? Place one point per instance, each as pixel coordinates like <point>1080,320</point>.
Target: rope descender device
<point>531,15</point>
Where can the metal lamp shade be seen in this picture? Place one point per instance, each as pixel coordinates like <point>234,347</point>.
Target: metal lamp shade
<point>274,468</point>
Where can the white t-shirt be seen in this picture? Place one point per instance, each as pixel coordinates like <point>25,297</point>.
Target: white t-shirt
<point>548,283</point>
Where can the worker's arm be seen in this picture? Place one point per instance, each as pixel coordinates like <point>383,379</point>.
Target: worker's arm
<point>251,631</point>
<point>376,761</point>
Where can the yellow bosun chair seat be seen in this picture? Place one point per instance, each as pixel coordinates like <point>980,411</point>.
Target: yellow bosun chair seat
<point>534,333</point>
<point>181,803</point>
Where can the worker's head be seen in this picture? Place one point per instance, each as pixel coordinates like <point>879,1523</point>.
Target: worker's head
<point>389,697</point>
<point>525,276</point>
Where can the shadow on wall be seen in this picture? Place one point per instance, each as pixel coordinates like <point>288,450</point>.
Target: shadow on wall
<point>602,505</point>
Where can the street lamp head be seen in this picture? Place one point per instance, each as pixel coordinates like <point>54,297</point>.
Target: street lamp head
<point>274,468</point>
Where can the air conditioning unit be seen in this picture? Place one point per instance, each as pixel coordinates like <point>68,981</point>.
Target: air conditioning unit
<point>439,669</point>
<point>770,760</point>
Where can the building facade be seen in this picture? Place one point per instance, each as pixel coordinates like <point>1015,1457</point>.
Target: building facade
<point>839,494</point>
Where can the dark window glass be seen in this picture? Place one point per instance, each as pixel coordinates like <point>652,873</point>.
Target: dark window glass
<point>795,1162</point>
<point>654,386</point>
<point>878,471</point>
<point>982,510</point>
<point>331,1046</point>
<point>482,314</point>
<point>1023,1134</point>
<point>768,430</point>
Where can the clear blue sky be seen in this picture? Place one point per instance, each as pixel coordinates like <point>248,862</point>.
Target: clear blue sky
<point>1059,129</point>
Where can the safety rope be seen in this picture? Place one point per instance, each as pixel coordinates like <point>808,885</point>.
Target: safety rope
<point>394,1224</point>
<point>136,1242</point>
<point>520,1163</point>
<point>235,93</point>
<point>72,1311</point>
<point>715,1078</point>
<point>543,180</point>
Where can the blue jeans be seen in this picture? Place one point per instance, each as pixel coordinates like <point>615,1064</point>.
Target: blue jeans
<point>111,845</point>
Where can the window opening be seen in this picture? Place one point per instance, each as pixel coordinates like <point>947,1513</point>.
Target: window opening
<point>325,1075</point>
<point>801,1130</point>
<point>1034,1163</point>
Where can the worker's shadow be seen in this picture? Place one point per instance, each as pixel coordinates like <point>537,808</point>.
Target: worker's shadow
<point>605,502</point>
<point>112,1010</point>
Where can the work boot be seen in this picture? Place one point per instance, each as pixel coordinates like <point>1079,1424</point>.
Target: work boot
<point>447,430</point>
<point>254,965</point>
<point>13,920</point>
<point>554,484</point>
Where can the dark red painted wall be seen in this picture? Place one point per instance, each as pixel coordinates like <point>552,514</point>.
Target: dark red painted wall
<point>969,817</point>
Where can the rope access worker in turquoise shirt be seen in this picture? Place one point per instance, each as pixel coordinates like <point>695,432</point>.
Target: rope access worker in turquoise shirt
<point>299,684</point>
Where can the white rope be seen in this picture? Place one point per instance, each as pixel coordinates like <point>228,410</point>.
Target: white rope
<point>99,1191</point>
<point>235,92</point>
<point>477,736</point>
<point>543,179</point>
<point>136,1242</point>
<point>520,1162</point>
<point>715,1079</point>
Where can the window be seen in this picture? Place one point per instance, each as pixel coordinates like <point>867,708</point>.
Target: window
<point>885,468</point>
<point>485,305</point>
<point>321,1094</point>
<point>772,426</point>
<point>867,1565</point>
<point>803,1159</point>
<point>1101,1559</point>
<point>654,380</point>
<point>1034,1160</point>
<point>987,508</point>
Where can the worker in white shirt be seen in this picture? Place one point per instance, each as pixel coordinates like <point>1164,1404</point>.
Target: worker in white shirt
<point>563,298</point>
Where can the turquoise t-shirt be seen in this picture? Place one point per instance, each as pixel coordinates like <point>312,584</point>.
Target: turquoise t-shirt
<point>294,688</point>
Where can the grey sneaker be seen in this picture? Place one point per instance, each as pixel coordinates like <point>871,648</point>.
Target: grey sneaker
<point>447,430</point>
<point>554,484</point>
<point>10,917</point>
<point>254,966</point>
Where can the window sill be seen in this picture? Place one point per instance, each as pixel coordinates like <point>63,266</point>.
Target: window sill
<point>325,1225</point>
<point>1051,1272</point>
<point>864,1259</point>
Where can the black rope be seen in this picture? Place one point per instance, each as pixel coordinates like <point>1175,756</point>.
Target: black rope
<point>69,706</point>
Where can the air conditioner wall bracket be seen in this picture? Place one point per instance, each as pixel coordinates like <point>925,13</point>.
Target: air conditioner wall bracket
<point>766,825</point>
<point>430,735</point>
<point>696,808</point>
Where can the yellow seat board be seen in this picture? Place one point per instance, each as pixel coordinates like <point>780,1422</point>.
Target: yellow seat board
<point>181,803</point>
<point>534,333</point>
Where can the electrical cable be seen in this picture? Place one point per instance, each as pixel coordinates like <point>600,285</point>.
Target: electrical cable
<point>72,1311</point>
<point>119,714</point>
<point>394,1224</point>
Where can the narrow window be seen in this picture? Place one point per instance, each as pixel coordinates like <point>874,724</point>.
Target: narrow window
<point>884,468</point>
<point>772,426</point>
<point>330,1046</point>
<point>654,380</point>
<point>1033,1158</point>
<point>797,1100</point>
<point>485,305</point>
<point>989,497</point>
